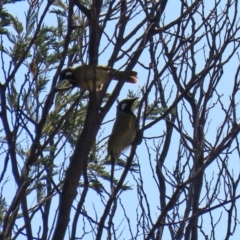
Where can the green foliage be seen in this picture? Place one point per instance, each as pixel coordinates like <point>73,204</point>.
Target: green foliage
<point>18,50</point>
<point>3,207</point>
<point>5,20</point>
<point>154,111</point>
<point>12,97</point>
<point>17,25</point>
<point>31,18</point>
<point>61,9</point>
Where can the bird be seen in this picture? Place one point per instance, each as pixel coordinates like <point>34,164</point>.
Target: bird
<point>84,75</point>
<point>123,132</point>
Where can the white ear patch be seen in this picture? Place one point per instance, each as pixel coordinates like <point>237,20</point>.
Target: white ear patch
<point>68,74</point>
<point>123,106</point>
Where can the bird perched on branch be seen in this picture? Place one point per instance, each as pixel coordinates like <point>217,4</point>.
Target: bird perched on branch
<point>123,132</point>
<point>84,76</point>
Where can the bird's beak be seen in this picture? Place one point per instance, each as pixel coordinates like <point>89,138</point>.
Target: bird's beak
<point>134,99</point>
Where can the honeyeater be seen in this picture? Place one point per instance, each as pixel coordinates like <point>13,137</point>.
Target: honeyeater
<point>84,76</point>
<point>123,132</point>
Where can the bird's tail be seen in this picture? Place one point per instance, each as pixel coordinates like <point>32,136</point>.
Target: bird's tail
<point>112,172</point>
<point>120,75</point>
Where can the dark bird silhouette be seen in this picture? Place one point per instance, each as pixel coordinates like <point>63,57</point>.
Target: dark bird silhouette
<point>83,76</point>
<point>123,132</point>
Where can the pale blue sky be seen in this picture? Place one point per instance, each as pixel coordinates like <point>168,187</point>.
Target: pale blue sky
<point>225,88</point>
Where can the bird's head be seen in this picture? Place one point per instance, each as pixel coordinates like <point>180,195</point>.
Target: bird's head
<point>68,74</point>
<point>126,105</point>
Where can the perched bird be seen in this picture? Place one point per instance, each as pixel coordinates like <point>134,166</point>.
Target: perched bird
<point>83,76</point>
<point>123,132</point>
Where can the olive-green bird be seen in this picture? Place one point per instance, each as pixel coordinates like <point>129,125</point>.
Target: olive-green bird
<point>123,132</point>
<point>83,76</point>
